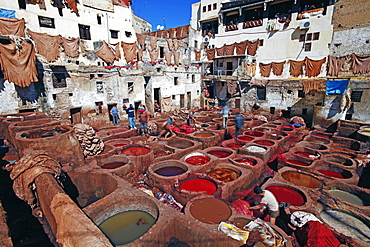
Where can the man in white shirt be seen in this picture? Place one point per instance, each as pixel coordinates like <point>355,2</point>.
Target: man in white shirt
<point>269,200</point>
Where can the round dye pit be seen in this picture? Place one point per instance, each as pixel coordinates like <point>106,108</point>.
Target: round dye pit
<point>286,129</point>
<point>301,179</point>
<point>297,162</point>
<point>126,227</point>
<point>42,133</point>
<point>256,149</point>
<point>160,152</point>
<point>264,143</point>
<point>113,165</point>
<point>204,135</point>
<point>245,138</point>
<point>289,195</point>
<point>210,210</point>
<point>338,160</point>
<point>197,160</point>
<point>307,154</point>
<point>279,133</point>
<point>253,133</point>
<point>180,143</point>
<point>219,153</point>
<point>223,174</point>
<point>135,151</point>
<point>234,145</point>
<point>170,171</point>
<point>331,174</point>
<point>199,185</point>
<point>320,135</point>
<point>246,161</point>
<point>347,224</point>
<point>346,196</point>
<point>262,129</point>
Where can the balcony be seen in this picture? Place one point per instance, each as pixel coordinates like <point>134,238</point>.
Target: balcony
<point>231,27</point>
<point>254,23</point>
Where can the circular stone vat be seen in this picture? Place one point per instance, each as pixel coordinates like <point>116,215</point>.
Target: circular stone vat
<point>170,171</point>
<point>135,151</point>
<point>264,143</point>
<point>321,135</point>
<point>278,133</point>
<point>332,174</point>
<point>163,151</point>
<point>45,132</point>
<point>315,146</point>
<point>126,227</point>
<point>297,162</point>
<point>119,142</point>
<point>313,139</point>
<point>204,135</point>
<point>347,224</point>
<point>199,185</point>
<point>219,153</point>
<point>253,133</point>
<point>256,149</point>
<point>224,174</point>
<point>113,165</point>
<point>339,160</point>
<point>234,145</point>
<point>286,129</point>
<point>245,161</point>
<point>197,159</point>
<point>346,196</point>
<point>288,194</point>
<point>301,179</point>
<point>245,138</point>
<point>180,143</point>
<point>262,129</point>
<point>305,154</point>
<point>210,210</point>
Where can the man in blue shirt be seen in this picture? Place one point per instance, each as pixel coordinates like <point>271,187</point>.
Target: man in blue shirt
<point>131,116</point>
<point>238,124</point>
<point>114,113</point>
<point>225,112</point>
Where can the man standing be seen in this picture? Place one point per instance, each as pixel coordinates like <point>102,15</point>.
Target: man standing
<point>225,112</point>
<point>270,201</point>
<point>114,113</point>
<point>143,119</point>
<point>131,117</point>
<point>238,124</point>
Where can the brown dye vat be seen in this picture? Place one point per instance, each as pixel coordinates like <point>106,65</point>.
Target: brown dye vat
<point>253,133</point>
<point>343,149</point>
<point>264,143</point>
<point>180,143</point>
<point>135,151</point>
<point>204,135</point>
<point>339,160</point>
<point>309,155</point>
<point>261,129</point>
<point>210,210</point>
<point>314,139</point>
<point>160,152</point>
<point>113,165</point>
<point>345,155</point>
<point>43,133</point>
<point>279,133</point>
<point>301,179</point>
<point>224,174</point>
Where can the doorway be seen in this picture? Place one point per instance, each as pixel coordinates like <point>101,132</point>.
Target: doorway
<point>182,100</point>
<point>188,100</point>
<point>76,117</point>
<point>110,106</point>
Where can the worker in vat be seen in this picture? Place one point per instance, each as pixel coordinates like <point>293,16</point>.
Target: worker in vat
<point>268,202</point>
<point>167,128</point>
<point>225,112</point>
<point>239,123</point>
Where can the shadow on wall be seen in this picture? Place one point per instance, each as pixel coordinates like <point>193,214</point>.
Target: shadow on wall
<point>335,107</point>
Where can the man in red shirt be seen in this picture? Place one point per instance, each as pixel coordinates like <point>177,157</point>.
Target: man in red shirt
<point>143,119</point>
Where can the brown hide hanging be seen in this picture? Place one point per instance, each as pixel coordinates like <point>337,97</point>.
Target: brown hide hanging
<point>241,47</point>
<point>19,66</point>
<point>129,50</point>
<point>197,55</point>
<point>360,64</point>
<point>296,68</point>
<point>170,44</point>
<point>210,54</point>
<point>277,68</point>
<point>252,47</point>
<point>265,69</point>
<point>220,51</point>
<point>168,57</point>
<point>10,26</point>
<point>313,67</point>
<point>176,44</point>
<point>229,49</point>
<point>47,45</point>
<point>70,46</point>
<point>153,43</point>
<point>106,53</point>
<point>310,86</point>
<point>153,55</point>
<point>141,39</point>
<point>72,5</point>
<point>251,69</point>
<point>335,65</point>
<point>176,57</point>
<point>140,53</point>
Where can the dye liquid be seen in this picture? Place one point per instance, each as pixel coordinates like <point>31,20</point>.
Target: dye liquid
<point>197,160</point>
<point>264,143</point>
<point>135,151</point>
<point>285,194</point>
<point>348,197</point>
<point>301,179</point>
<point>246,161</point>
<point>170,171</point>
<point>198,185</point>
<point>331,174</point>
<point>159,152</point>
<point>113,165</point>
<point>245,138</point>
<point>234,145</point>
<point>204,135</point>
<point>126,227</point>
<point>297,162</point>
<point>223,174</point>
<point>210,210</point>
<point>219,153</point>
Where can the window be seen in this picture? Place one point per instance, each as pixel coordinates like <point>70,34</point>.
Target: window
<point>204,8</point>
<point>348,116</point>
<point>193,78</point>
<point>46,22</point>
<point>128,34</point>
<point>307,47</point>
<point>70,94</point>
<point>302,37</point>
<point>316,36</point>
<point>22,4</point>
<point>209,7</point>
<point>161,52</point>
<point>356,96</point>
<point>196,44</point>
<point>210,26</point>
<point>309,37</point>
<point>99,87</point>
<point>260,42</point>
<point>130,87</point>
<point>272,110</point>
<point>173,97</point>
<point>98,17</point>
<point>289,91</point>
<point>176,81</point>
<point>261,93</point>
<point>24,102</point>
<point>59,76</point>
<point>214,6</point>
<point>304,111</point>
<point>84,32</point>
<point>301,94</point>
<point>54,96</point>
<point>114,34</point>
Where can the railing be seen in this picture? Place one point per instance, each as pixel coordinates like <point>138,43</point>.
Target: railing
<point>254,23</point>
<point>231,27</point>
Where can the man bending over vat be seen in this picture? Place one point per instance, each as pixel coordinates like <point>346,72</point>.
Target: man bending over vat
<point>269,200</point>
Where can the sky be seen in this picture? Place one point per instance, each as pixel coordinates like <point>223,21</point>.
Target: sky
<point>166,13</point>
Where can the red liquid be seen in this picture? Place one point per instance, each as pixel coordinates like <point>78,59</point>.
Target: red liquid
<point>285,194</point>
<point>219,154</point>
<point>245,138</point>
<point>303,154</point>
<point>198,185</point>
<point>322,136</point>
<point>264,143</point>
<point>197,160</point>
<point>203,135</point>
<point>234,145</point>
<point>246,161</point>
<point>113,165</point>
<point>331,174</point>
<point>297,162</point>
<point>120,144</point>
<point>253,133</point>
<point>136,151</point>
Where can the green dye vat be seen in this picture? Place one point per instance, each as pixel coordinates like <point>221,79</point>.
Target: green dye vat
<point>123,228</point>
<point>348,197</point>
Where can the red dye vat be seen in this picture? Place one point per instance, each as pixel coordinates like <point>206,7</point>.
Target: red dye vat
<point>264,143</point>
<point>331,174</point>
<point>297,162</point>
<point>135,151</point>
<point>304,154</point>
<point>199,184</point>
<point>245,138</point>
<point>219,153</point>
<point>197,160</point>
<point>234,145</point>
<point>285,194</point>
<point>204,135</point>
<point>322,136</point>
<point>120,144</point>
<point>253,133</point>
<point>246,161</point>
<point>113,165</point>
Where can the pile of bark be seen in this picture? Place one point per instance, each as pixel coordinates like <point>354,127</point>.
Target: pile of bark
<point>89,142</point>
